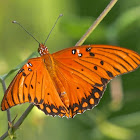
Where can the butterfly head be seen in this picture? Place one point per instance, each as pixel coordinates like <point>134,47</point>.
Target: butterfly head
<point>42,49</point>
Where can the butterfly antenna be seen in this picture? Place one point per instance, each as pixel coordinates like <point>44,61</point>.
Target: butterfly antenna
<point>53,28</point>
<point>26,31</point>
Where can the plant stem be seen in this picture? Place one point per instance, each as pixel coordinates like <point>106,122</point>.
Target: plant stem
<point>19,122</point>
<point>95,24</point>
<point>24,115</point>
<point>8,111</point>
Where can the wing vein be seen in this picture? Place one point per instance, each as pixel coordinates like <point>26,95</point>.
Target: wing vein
<point>109,58</point>
<point>87,68</point>
<point>119,57</point>
<point>76,71</point>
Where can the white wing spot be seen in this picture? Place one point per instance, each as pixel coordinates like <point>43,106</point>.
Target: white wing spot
<point>63,93</point>
<point>27,65</point>
<point>78,51</point>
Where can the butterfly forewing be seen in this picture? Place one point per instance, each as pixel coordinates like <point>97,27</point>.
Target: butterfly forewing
<point>102,59</point>
<point>33,84</point>
<point>88,69</point>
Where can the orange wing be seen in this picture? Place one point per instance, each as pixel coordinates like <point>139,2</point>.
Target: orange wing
<point>86,70</point>
<point>33,84</point>
<point>80,74</point>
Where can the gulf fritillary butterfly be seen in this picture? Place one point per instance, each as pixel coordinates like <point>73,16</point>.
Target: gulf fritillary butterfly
<point>69,81</point>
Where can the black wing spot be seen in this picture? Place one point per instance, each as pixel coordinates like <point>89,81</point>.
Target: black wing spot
<point>35,100</point>
<point>30,64</point>
<point>23,97</point>
<point>25,85</point>
<point>117,70</point>
<point>29,97</point>
<point>32,86</point>
<point>13,100</point>
<point>102,62</point>
<point>41,101</point>
<point>88,49</point>
<point>109,74</point>
<point>95,67</point>
<point>77,87</point>
<point>18,97</point>
<point>24,74</point>
<point>74,51</point>
<point>29,69</point>
<point>20,71</point>
<point>82,69</point>
<point>104,81</point>
<point>7,102</point>
<point>91,54</point>
<point>48,93</point>
<point>98,85</point>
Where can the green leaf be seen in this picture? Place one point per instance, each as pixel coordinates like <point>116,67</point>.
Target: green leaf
<point>122,23</point>
<point>3,77</point>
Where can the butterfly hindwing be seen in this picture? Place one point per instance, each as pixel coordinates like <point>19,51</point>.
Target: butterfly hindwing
<point>82,95</point>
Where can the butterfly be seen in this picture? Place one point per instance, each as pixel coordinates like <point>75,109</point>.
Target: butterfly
<point>69,81</point>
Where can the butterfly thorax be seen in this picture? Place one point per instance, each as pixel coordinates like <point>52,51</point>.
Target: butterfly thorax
<point>51,68</point>
<point>43,49</point>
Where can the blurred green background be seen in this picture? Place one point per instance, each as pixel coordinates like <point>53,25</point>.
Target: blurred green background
<point>117,117</point>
